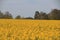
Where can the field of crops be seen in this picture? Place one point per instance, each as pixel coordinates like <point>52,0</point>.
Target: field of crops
<point>29,29</point>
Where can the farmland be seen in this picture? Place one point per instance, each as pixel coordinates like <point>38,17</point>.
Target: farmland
<point>11,29</point>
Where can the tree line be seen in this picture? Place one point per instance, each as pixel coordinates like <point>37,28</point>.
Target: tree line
<point>53,15</point>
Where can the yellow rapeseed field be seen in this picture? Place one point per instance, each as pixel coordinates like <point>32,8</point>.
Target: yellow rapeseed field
<point>12,29</point>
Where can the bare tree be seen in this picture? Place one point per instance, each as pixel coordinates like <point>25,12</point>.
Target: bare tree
<point>7,15</point>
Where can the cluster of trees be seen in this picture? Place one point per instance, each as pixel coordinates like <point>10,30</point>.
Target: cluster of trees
<point>7,15</point>
<point>53,15</point>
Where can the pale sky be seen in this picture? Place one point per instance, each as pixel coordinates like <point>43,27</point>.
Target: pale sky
<point>27,8</point>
